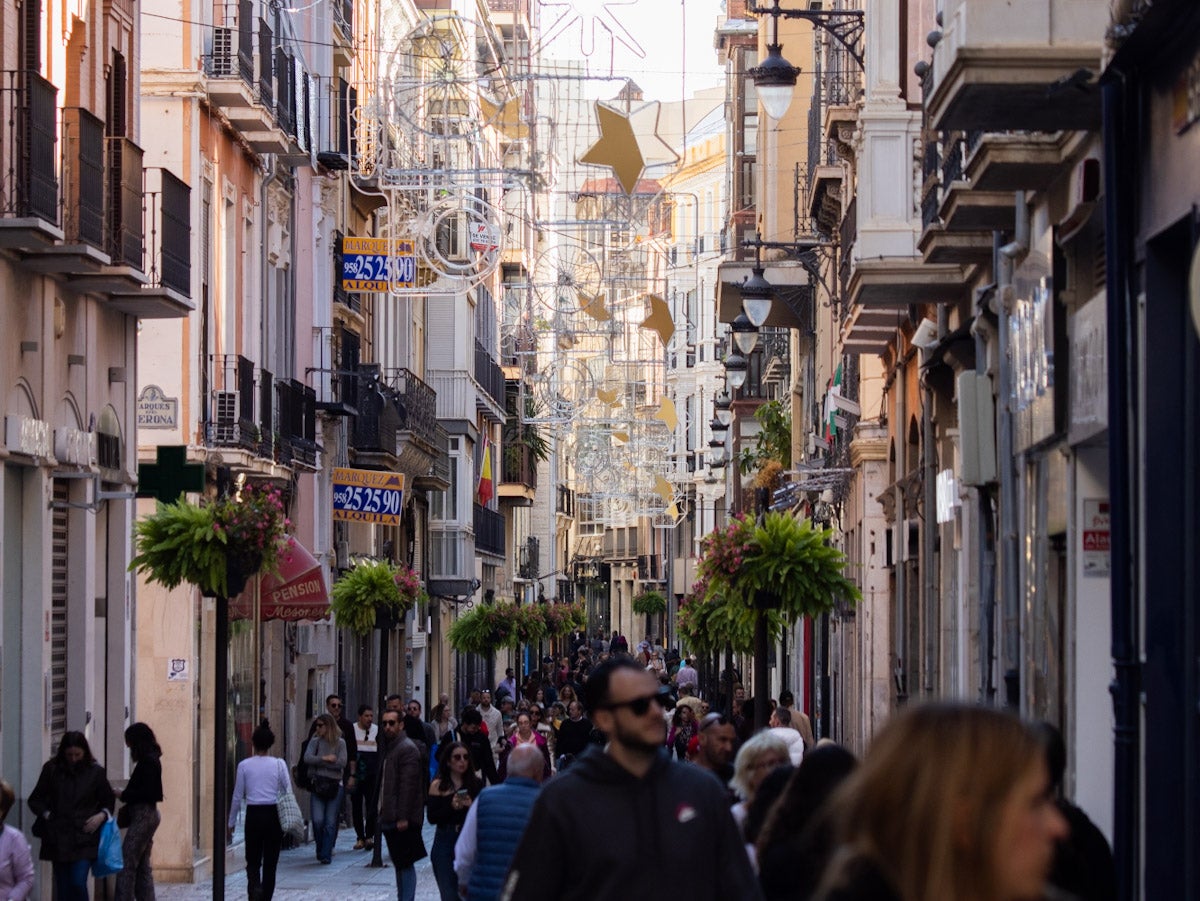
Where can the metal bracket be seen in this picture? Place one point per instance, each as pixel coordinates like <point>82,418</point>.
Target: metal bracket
<point>99,495</point>
<point>844,25</point>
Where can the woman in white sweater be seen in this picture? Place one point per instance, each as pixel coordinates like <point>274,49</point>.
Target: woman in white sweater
<point>261,779</point>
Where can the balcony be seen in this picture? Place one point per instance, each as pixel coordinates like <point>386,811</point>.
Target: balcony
<point>1015,66</point>
<point>242,78</point>
<point>167,293</point>
<point>375,430</point>
<point>343,33</point>
<point>295,438</point>
<point>518,475</point>
<point>489,531</point>
<point>240,413</point>
<point>28,183</point>
<point>776,351</point>
<point>1018,161</point>
<point>489,375</point>
<point>957,220</point>
<point>529,560</point>
<point>649,568</point>
<point>396,426</point>
<point>564,501</point>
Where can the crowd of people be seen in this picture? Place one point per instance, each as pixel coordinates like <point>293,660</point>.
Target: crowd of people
<point>605,776</point>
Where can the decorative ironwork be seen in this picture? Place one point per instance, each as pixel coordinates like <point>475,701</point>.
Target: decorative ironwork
<point>846,26</point>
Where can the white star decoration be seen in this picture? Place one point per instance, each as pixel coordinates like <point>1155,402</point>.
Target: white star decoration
<point>591,15</point>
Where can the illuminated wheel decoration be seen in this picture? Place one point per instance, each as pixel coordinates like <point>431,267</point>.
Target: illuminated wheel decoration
<point>459,237</point>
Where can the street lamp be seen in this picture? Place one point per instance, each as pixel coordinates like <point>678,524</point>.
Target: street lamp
<point>757,296</point>
<point>745,333</point>
<point>719,429</point>
<point>735,370</point>
<point>775,79</point>
<point>722,408</point>
<point>716,453</point>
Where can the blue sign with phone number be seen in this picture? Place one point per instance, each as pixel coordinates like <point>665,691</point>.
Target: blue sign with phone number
<point>377,264</point>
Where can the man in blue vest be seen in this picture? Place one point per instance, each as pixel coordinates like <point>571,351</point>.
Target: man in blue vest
<point>494,825</point>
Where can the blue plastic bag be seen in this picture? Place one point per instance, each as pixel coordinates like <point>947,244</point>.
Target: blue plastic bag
<point>110,860</point>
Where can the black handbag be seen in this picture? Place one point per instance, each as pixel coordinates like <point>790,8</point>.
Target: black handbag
<point>325,787</point>
<point>123,817</point>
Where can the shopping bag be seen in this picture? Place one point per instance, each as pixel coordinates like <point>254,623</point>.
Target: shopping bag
<point>110,860</point>
<point>291,821</point>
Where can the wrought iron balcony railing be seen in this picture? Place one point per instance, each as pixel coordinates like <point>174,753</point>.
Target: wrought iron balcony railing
<point>169,229</point>
<point>28,133</point>
<point>489,531</point>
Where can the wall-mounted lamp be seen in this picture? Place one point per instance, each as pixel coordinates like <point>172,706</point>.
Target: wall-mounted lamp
<point>722,407</point>
<point>745,333</point>
<point>719,429</point>
<point>716,453</point>
<point>757,296</point>
<point>735,370</point>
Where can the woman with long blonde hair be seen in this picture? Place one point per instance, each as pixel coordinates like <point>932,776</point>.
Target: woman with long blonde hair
<point>325,756</point>
<point>951,801</point>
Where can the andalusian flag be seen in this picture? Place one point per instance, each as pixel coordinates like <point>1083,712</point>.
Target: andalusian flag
<point>485,489</point>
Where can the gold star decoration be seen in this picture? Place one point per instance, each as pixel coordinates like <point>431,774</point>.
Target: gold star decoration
<point>617,148</point>
<point>594,307</point>
<point>660,320</point>
<point>667,415</point>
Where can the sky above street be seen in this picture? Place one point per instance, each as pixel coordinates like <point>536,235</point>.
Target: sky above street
<point>666,46</point>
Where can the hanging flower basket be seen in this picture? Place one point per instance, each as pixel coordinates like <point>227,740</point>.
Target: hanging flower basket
<point>216,546</point>
<point>563,619</point>
<point>486,628</point>
<point>650,603</point>
<point>369,592</point>
<point>785,561</point>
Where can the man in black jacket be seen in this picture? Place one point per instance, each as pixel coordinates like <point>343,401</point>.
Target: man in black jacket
<point>666,828</point>
<point>470,734</point>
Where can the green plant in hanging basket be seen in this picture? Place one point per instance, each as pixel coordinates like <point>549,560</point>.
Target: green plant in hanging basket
<point>474,632</point>
<point>208,545</point>
<point>562,619</point>
<point>365,591</point>
<point>650,603</point>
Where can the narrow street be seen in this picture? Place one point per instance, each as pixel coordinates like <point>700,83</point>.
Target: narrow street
<point>301,878</point>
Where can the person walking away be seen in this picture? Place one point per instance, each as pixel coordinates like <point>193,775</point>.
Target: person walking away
<point>140,798</point>
<point>260,780</point>
<point>325,757</point>
<point>1083,862</point>
<point>627,821</point>
<point>796,841</point>
<point>71,801</point>
<point>16,857</point>
<point>470,733</point>
<point>401,799</point>
<point>951,801</point>
<point>363,800</point>
<point>755,759</point>
<point>453,790</point>
<point>494,825</point>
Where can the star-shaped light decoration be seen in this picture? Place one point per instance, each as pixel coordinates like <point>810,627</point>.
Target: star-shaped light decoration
<point>628,143</point>
<point>659,320</point>
<point>592,16</point>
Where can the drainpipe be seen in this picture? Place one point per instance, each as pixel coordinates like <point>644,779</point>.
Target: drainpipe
<point>984,528</point>
<point>1011,597</point>
<point>901,543</point>
<point>1121,138</point>
<point>930,526</point>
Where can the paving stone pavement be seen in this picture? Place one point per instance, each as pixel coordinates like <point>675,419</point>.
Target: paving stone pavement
<point>301,878</point>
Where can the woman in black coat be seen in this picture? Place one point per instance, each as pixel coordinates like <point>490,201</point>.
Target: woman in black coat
<point>72,800</point>
<point>139,814</point>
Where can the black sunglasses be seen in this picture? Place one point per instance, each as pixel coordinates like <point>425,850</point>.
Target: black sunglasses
<point>639,706</point>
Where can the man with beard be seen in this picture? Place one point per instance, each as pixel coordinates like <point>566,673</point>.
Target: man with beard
<point>666,826</point>
<point>401,804</point>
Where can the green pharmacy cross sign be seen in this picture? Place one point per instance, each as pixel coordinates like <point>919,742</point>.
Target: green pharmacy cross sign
<point>171,476</point>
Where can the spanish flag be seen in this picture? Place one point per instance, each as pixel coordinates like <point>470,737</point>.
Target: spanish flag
<point>486,489</point>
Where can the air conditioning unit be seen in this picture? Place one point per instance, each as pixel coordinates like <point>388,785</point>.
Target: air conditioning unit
<point>225,416</point>
<point>223,55</point>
